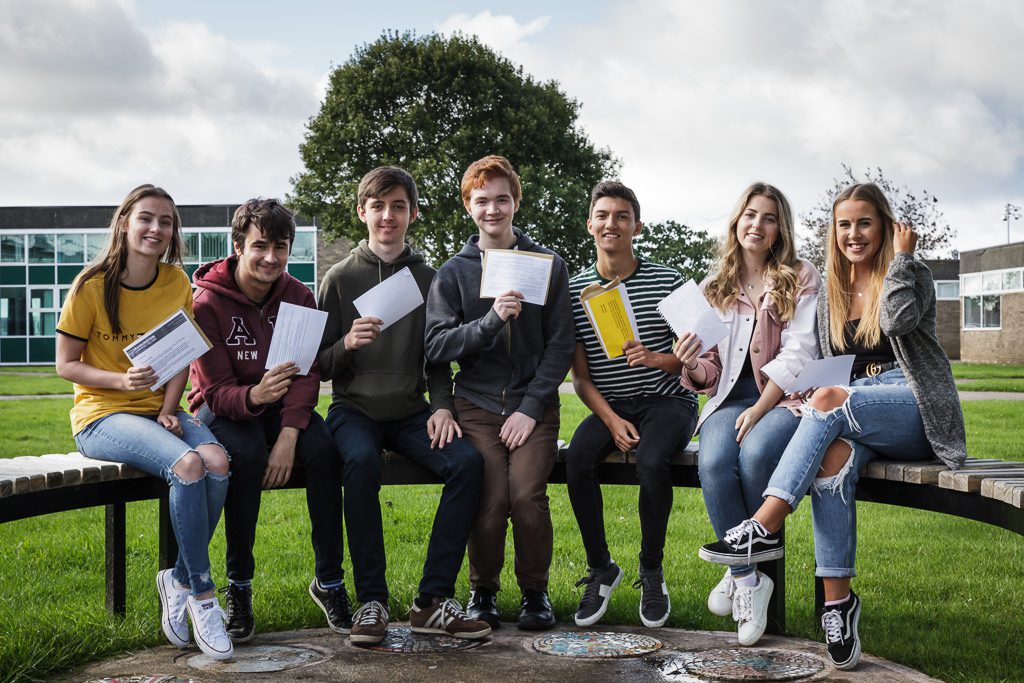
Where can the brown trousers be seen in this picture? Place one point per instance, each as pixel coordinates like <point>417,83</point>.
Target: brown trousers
<point>515,485</point>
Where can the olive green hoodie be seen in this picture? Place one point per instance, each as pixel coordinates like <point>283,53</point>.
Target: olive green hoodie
<point>386,379</point>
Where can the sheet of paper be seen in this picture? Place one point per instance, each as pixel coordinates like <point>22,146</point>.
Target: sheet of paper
<point>297,334</point>
<point>524,271</point>
<point>823,372</point>
<point>392,299</point>
<point>169,347</point>
<point>686,310</point>
<point>611,315</point>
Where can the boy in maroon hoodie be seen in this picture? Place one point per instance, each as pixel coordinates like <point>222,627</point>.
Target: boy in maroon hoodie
<point>265,418</point>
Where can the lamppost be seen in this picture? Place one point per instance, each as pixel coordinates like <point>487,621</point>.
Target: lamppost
<point>1010,211</point>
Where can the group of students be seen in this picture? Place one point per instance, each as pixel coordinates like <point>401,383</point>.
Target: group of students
<point>490,433</point>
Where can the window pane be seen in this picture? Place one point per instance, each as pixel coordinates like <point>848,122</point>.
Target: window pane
<point>214,246</point>
<point>991,282</point>
<point>972,312</point>
<point>41,298</point>
<point>64,295</point>
<point>990,311</point>
<point>44,324</point>
<point>40,248</point>
<point>12,249</point>
<point>1011,280</point>
<point>12,311</point>
<point>947,290</point>
<point>972,284</point>
<point>94,245</point>
<point>72,249</point>
<point>191,247</point>
<point>302,250</point>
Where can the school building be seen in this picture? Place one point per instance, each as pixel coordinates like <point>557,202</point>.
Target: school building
<point>992,295</point>
<point>42,249</point>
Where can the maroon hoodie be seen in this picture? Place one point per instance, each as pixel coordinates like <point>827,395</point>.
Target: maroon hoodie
<point>240,332</point>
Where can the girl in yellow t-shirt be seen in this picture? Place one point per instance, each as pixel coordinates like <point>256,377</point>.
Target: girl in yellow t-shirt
<point>133,285</point>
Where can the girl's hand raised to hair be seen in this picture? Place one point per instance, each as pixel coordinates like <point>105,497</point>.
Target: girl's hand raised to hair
<point>904,238</point>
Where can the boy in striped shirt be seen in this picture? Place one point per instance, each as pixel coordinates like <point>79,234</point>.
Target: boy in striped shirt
<point>637,403</point>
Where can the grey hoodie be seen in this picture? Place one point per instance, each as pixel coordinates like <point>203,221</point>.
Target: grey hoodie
<point>383,380</point>
<point>504,366</point>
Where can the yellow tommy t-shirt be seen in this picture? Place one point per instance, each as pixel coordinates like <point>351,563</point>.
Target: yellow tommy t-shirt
<point>141,309</point>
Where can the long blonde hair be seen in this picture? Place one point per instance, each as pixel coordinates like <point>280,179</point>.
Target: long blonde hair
<point>782,264</point>
<point>112,261</point>
<point>869,330</point>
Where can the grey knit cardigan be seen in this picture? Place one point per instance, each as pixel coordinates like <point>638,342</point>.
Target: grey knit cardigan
<point>908,320</point>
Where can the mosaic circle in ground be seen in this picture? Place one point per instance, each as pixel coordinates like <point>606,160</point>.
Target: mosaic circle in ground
<point>144,678</point>
<point>259,659</point>
<point>738,665</point>
<point>595,644</point>
<point>403,641</point>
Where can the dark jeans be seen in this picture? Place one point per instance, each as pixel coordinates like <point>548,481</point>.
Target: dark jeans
<point>360,440</point>
<point>665,425</point>
<point>248,442</point>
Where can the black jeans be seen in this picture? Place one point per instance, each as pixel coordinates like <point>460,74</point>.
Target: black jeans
<point>360,440</point>
<point>665,425</point>
<point>248,443</point>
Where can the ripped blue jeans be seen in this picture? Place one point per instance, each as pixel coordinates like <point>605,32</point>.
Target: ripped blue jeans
<point>879,419</point>
<point>140,441</point>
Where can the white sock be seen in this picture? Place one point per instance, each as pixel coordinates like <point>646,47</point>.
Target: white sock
<point>747,580</point>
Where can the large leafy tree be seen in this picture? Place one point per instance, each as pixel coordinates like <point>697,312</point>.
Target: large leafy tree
<point>432,105</point>
<point>686,249</point>
<point>920,209</point>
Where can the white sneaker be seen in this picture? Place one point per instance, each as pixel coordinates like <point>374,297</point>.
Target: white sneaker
<point>172,608</point>
<point>720,597</point>
<point>750,609</point>
<point>208,628</point>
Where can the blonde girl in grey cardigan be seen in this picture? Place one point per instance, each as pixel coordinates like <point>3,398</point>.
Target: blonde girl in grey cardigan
<point>879,305</point>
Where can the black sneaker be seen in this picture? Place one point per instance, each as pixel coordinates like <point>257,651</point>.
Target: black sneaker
<point>536,614</point>
<point>748,543</point>
<point>840,625</point>
<point>599,586</point>
<point>483,605</point>
<point>334,603</point>
<point>241,621</point>
<point>655,605</point>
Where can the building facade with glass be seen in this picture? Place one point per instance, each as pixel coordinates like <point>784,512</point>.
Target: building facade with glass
<point>992,304</point>
<point>42,249</point>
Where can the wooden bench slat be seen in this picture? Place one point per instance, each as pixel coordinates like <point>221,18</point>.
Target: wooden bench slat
<point>990,488</point>
<point>929,473</point>
<point>970,481</point>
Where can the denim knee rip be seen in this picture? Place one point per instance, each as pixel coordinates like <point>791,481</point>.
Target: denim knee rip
<point>178,478</point>
<point>844,407</point>
<point>834,483</point>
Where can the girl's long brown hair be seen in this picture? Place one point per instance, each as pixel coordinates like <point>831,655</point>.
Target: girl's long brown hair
<point>113,259</point>
<point>782,264</point>
<point>869,329</point>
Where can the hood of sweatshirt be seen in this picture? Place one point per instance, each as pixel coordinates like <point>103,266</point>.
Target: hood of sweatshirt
<point>472,247</point>
<point>407,258</point>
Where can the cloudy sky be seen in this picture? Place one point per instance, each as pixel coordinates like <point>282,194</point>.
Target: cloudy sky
<point>209,99</point>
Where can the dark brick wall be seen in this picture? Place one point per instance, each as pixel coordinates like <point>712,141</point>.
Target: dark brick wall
<point>947,327</point>
<point>992,258</point>
<point>329,253</point>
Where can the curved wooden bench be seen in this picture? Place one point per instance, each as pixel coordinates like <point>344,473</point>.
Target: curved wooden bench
<point>985,490</point>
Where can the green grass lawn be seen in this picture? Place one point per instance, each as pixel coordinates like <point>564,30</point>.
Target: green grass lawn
<point>941,594</point>
<point>989,377</point>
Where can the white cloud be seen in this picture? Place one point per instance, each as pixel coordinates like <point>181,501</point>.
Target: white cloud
<point>100,105</point>
<point>701,98</point>
<point>502,32</point>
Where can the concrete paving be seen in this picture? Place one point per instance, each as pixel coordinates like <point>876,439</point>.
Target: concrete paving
<point>509,655</point>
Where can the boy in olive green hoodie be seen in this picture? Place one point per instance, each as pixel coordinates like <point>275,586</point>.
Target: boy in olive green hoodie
<point>378,402</point>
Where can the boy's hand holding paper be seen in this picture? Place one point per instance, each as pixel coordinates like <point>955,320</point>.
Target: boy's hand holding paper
<point>391,300</point>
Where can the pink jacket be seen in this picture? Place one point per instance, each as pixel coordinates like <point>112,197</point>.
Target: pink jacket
<point>778,351</point>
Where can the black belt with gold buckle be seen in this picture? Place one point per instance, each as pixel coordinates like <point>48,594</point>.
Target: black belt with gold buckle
<point>874,368</point>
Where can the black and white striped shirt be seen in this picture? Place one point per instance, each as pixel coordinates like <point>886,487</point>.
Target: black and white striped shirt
<point>647,286</point>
